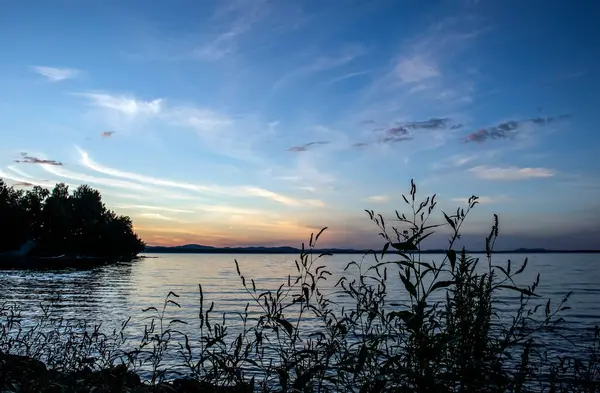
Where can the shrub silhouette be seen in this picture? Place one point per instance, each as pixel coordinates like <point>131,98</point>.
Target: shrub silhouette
<point>451,334</point>
<point>75,223</point>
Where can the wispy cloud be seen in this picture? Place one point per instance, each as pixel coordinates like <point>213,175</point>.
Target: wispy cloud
<point>460,160</point>
<point>405,131</point>
<point>200,119</point>
<point>20,177</point>
<point>347,76</point>
<point>342,58</point>
<point>239,18</point>
<point>20,172</point>
<point>306,146</point>
<point>86,161</point>
<point>435,123</point>
<point>379,198</point>
<point>84,178</point>
<point>156,216</point>
<point>416,69</point>
<point>509,129</point>
<point>138,182</point>
<point>27,159</point>
<point>323,63</point>
<point>23,184</point>
<point>54,74</point>
<point>127,105</point>
<point>485,200</point>
<point>154,208</point>
<point>311,172</point>
<point>425,74</point>
<point>395,139</point>
<point>510,173</point>
<point>230,210</point>
<point>233,136</point>
<point>283,199</point>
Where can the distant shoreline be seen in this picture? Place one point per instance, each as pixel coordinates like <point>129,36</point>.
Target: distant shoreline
<point>266,250</point>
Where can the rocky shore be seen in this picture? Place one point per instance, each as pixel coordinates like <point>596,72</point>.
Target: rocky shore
<point>24,374</point>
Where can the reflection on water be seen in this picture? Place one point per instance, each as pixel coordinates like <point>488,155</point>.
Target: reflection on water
<point>110,294</point>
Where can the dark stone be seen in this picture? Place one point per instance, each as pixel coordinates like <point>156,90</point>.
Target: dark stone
<point>186,385</point>
<point>15,367</point>
<point>24,374</point>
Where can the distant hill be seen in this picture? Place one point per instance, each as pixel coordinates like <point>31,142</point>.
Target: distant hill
<point>200,249</point>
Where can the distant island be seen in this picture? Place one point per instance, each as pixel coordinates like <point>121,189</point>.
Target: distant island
<point>200,249</point>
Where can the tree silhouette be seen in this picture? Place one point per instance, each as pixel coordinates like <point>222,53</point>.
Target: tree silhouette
<point>66,223</point>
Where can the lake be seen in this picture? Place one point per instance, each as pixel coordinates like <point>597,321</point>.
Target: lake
<point>111,294</point>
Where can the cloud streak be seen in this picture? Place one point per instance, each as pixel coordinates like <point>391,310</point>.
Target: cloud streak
<point>435,123</point>
<point>403,131</point>
<point>306,146</point>
<point>509,173</point>
<point>484,200</point>
<point>285,200</point>
<point>416,69</point>
<point>132,180</point>
<point>378,198</point>
<point>27,159</point>
<point>81,177</point>
<point>509,129</point>
<point>126,105</point>
<point>246,15</point>
<point>23,179</point>
<point>325,63</point>
<point>86,161</point>
<point>156,216</point>
<point>154,208</point>
<point>54,74</point>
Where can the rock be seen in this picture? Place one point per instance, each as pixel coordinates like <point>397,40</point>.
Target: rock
<point>15,366</point>
<point>115,379</point>
<point>189,386</point>
<point>24,374</point>
<point>186,385</point>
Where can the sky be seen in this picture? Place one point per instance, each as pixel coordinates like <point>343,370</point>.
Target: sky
<point>257,122</point>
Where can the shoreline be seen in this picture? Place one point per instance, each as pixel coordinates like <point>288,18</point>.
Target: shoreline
<point>348,252</point>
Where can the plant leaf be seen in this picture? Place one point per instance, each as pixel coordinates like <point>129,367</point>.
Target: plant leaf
<point>524,291</point>
<point>405,246</point>
<point>452,258</point>
<point>449,220</point>
<point>410,287</point>
<point>286,325</point>
<point>441,284</point>
<point>385,248</point>
<point>403,315</point>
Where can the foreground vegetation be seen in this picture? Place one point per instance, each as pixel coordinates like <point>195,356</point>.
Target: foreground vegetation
<point>61,223</point>
<point>452,334</point>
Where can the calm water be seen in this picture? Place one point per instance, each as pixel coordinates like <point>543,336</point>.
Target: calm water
<point>111,294</point>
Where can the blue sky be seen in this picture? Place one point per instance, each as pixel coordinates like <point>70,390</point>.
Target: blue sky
<point>257,122</point>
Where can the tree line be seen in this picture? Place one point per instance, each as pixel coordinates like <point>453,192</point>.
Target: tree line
<point>62,222</point>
